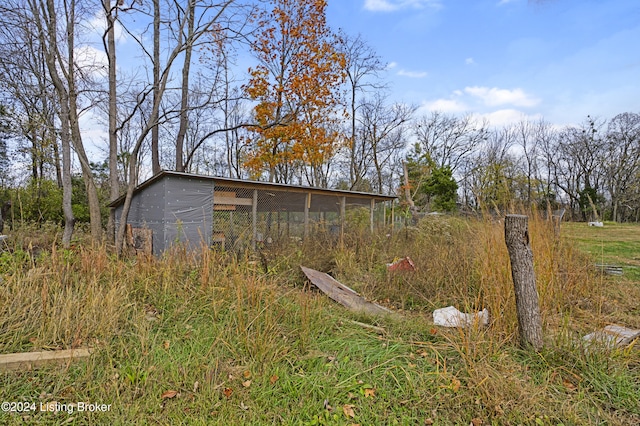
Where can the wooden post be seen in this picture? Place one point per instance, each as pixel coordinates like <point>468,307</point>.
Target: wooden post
<point>393,217</point>
<point>307,206</point>
<point>371,219</point>
<point>254,219</point>
<point>516,236</point>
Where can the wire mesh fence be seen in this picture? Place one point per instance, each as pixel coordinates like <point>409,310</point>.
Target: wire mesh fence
<point>244,217</point>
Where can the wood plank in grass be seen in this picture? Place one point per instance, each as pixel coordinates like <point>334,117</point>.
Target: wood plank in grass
<point>29,360</point>
<point>343,294</point>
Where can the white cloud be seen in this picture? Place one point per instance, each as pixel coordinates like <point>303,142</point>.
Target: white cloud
<point>496,97</point>
<point>394,5</point>
<point>94,135</point>
<point>469,61</point>
<point>92,60</point>
<point>443,105</point>
<point>503,2</point>
<point>506,117</point>
<point>413,74</point>
<point>99,24</point>
<point>392,65</point>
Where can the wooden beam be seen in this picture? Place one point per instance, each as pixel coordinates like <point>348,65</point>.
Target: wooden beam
<point>232,201</point>
<point>29,360</point>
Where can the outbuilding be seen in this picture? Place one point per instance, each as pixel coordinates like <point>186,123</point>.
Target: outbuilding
<point>236,214</point>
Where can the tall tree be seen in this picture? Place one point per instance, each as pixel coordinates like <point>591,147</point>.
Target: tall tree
<point>296,86</point>
<point>53,27</point>
<point>45,16</point>
<point>183,40</point>
<point>27,89</point>
<point>363,67</point>
<point>110,9</point>
<point>155,130</point>
<point>580,151</point>
<point>184,96</point>
<point>382,131</point>
<point>622,160</point>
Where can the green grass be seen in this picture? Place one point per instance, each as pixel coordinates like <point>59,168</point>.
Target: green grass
<point>244,341</point>
<point>614,243</point>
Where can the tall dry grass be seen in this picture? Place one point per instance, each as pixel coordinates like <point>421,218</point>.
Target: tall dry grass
<point>205,316</point>
<point>465,263</point>
<point>62,298</point>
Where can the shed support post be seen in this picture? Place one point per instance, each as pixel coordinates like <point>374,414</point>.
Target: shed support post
<point>307,205</point>
<point>393,217</point>
<point>373,206</point>
<point>254,219</point>
<point>343,214</point>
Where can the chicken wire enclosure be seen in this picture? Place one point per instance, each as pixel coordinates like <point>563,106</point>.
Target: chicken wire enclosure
<point>234,214</point>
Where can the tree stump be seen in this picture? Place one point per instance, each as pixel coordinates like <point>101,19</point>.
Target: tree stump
<point>524,281</point>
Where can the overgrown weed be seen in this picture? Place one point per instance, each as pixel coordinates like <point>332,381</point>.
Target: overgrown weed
<point>243,339</point>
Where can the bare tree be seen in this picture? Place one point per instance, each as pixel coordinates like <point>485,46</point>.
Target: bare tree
<point>110,10</point>
<point>363,69</point>
<point>622,160</point>
<point>492,171</point>
<point>449,140</point>
<point>527,141</point>
<point>24,81</point>
<point>184,99</point>
<point>547,140</point>
<point>382,131</point>
<point>52,27</point>
<point>155,130</point>
<point>182,42</point>
<point>580,153</point>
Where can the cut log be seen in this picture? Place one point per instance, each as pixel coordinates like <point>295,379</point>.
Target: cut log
<point>343,294</point>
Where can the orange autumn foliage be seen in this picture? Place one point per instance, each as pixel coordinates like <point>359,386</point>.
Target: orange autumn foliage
<point>295,85</point>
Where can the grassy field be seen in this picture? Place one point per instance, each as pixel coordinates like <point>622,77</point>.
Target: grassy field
<point>212,338</point>
<point>614,243</point>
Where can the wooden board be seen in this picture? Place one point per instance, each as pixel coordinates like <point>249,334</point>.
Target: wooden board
<point>29,360</point>
<point>219,206</point>
<point>343,294</point>
<point>225,200</point>
<point>614,336</point>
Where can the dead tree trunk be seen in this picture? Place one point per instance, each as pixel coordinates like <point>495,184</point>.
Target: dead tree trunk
<point>529,321</point>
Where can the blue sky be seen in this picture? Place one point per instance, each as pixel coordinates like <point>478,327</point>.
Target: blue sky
<point>560,60</point>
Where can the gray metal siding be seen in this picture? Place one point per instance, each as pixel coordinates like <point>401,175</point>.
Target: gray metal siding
<point>188,211</point>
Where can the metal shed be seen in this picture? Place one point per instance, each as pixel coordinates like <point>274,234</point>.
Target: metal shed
<point>235,214</point>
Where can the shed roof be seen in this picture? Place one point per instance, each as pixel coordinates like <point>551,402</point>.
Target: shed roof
<point>294,192</point>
